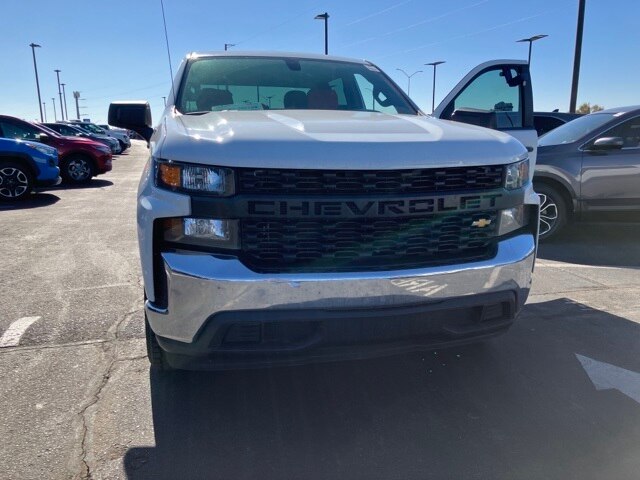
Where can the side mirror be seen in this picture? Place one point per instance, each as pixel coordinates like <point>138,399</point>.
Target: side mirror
<point>608,143</point>
<point>134,116</point>
<point>43,138</point>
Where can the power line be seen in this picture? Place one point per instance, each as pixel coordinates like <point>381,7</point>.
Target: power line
<point>422,22</point>
<point>268,30</point>
<point>375,14</point>
<point>467,35</point>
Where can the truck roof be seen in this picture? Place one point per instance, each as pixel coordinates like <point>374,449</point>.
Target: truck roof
<point>273,53</point>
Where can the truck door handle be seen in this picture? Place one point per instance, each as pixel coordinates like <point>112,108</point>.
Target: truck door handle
<point>530,149</point>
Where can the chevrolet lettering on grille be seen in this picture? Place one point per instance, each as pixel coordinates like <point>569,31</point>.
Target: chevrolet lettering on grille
<point>371,208</point>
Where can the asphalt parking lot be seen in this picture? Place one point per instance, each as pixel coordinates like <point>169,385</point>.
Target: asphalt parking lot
<point>557,397</point>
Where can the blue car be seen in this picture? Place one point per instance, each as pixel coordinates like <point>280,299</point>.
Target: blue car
<point>24,166</point>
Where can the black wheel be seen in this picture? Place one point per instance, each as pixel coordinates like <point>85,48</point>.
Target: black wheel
<point>553,211</point>
<point>77,169</point>
<point>154,352</point>
<point>16,181</point>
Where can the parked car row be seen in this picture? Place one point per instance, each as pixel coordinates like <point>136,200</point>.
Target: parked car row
<point>42,154</point>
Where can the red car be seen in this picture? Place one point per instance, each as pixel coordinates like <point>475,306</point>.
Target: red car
<point>80,158</point>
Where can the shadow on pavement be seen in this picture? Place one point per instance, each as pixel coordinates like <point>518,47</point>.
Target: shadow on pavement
<point>598,244</point>
<point>519,406</point>
<point>34,200</point>
<point>94,183</point>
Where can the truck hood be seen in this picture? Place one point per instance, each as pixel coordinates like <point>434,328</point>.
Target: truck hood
<point>329,140</point>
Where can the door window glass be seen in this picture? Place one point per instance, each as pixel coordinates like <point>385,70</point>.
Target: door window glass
<point>19,131</point>
<point>491,100</point>
<point>629,131</point>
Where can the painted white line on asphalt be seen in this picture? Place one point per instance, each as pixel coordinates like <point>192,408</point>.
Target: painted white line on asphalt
<point>12,336</point>
<point>605,376</point>
<point>578,265</point>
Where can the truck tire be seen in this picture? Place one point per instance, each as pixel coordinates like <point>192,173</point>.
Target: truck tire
<point>154,352</point>
<point>553,211</point>
<point>16,181</point>
<point>77,169</point>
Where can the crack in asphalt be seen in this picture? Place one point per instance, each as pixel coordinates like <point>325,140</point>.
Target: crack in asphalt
<point>110,349</point>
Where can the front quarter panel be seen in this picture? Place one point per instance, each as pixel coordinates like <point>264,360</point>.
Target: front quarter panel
<point>562,164</point>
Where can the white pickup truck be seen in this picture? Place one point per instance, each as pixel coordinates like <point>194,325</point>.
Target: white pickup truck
<point>301,207</point>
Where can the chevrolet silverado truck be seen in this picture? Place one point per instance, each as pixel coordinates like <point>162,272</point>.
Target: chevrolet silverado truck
<point>300,208</point>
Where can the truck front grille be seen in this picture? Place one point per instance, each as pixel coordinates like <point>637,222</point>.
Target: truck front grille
<point>366,244</point>
<point>359,182</point>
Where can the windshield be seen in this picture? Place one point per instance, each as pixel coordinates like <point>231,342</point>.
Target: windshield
<point>575,129</point>
<point>265,83</point>
<point>91,128</point>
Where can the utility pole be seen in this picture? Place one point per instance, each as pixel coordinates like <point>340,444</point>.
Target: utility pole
<point>35,67</point>
<point>433,92</point>
<point>76,95</point>
<point>577,57</point>
<point>44,106</point>
<point>60,93</point>
<point>64,95</point>
<point>325,16</point>
<point>55,115</point>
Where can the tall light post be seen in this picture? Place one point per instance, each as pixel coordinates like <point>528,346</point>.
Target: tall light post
<point>35,67</point>
<point>576,58</point>
<point>409,79</point>
<point>228,45</point>
<point>531,40</point>
<point>60,93</point>
<point>433,92</point>
<point>164,99</point>
<point>55,115</point>
<point>64,95</point>
<point>44,106</point>
<point>325,16</point>
<point>76,95</point>
<point>269,97</point>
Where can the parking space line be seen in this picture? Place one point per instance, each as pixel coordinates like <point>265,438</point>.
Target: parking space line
<point>579,265</point>
<point>12,336</point>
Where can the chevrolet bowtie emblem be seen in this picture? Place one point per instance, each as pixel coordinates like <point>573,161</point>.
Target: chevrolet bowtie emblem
<point>483,222</point>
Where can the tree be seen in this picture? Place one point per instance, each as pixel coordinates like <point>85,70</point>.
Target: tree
<point>588,108</point>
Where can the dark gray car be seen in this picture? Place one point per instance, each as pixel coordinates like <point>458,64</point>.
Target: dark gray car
<point>589,165</point>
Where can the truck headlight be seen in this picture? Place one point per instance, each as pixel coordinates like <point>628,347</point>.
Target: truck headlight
<point>202,232</point>
<point>517,175</point>
<point>512,219</point>
<point>195,178</point>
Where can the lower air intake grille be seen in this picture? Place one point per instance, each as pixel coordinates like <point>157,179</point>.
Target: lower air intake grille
<point>302,245</point>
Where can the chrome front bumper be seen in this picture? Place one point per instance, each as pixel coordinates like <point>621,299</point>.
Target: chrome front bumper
<point>200,285</point>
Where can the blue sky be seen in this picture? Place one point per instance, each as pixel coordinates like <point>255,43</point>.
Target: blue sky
<point>115,50</point>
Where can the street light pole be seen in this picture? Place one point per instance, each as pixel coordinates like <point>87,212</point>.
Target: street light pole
<point>409,79</point>
<point>164,99</point>
<point>60,93</point>
<point>55,115</point>
<point>76,95</point>
<point>577,57</point>
<point>325,16</point>
<point>531,40</point>
<point>227,45</point>
<point>433,92</point>
<point>44,106</point>
<point>64,95</point>
<point>35,67</point>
